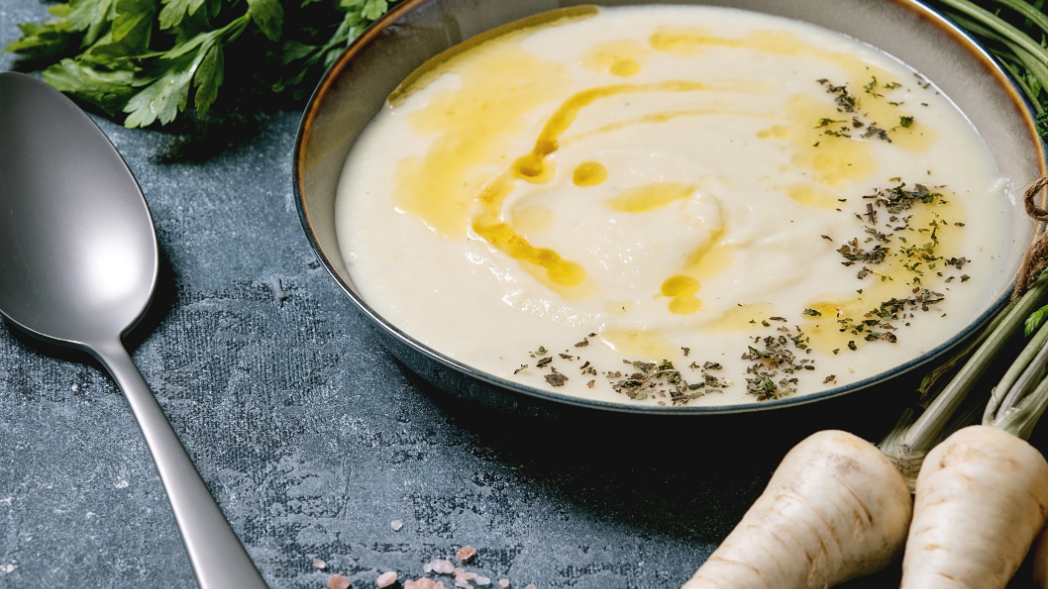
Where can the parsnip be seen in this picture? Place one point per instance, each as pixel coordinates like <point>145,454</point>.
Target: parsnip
<point>835,509</point>
<point>981,498</point>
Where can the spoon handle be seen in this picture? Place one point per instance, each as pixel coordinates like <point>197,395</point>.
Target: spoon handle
<point>218,558</point>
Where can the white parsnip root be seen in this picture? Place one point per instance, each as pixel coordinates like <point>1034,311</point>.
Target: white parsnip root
<point>835,509</point>
<point>981,499</point>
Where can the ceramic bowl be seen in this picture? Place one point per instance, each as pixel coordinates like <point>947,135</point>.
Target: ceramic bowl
<point>357,85</point>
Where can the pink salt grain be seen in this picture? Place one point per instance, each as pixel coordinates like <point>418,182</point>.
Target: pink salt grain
<point>440,566</point>
<point>504,583</point>
<point>396,525</point>
<point>466,553</point>
<point>320,564</point>
<point>530,586</point>
<point>420,583</point>
<point>338,582</point>
<point>386,579</point>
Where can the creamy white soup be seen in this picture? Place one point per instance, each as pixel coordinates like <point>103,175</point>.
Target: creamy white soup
<point>673,206</point>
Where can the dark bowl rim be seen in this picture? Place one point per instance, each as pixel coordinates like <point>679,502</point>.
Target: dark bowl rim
<point>929,14</point>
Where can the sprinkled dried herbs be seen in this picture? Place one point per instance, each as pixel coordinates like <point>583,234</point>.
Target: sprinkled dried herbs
<point>776,357</point>
<point>853,253</point>
<point>875,131</point>
<point>544,362</point>
<point>844,100</point>
<point>556,379</point>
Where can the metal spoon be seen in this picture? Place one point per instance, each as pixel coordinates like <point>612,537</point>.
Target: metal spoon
<point>78,264</point>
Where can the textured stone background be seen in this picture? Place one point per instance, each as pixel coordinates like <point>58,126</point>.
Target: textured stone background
<point>313,438</point>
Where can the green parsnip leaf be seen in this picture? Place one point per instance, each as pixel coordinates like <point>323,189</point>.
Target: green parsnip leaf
<point>1035,320</point>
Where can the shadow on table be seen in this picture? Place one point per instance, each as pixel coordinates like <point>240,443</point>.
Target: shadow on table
<point>687,477</point>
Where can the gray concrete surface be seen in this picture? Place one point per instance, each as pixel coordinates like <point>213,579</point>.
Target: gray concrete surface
<point>314,439</point>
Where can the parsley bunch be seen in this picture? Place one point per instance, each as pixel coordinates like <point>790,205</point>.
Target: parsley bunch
<point>144,59</point>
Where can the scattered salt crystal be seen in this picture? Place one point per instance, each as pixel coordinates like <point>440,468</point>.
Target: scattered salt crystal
<point>338,582</point>
<point>468,576</point>
<point>396,525</point>
<point>466,553</point>
<point>504,583</point>
<point>443,567</point>
<point>320,564</point>
<point>386,579</point>
<point>422,583</point>
<point>482,580</point>
<point>530,586</point>
<point>460,582</point>
<point>439,585</point>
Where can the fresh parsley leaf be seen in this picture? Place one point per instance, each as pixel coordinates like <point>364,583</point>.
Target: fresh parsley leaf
<point>208,78</point>
<point>91,16</point>
<point>54,38</point>
<point>268,15</point>
<point>108,90</point>
<point>149,60</point>
<point>175,10</point>
<point>128,36</point>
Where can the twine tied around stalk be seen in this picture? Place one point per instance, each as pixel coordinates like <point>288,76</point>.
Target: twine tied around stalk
<point>1037,256</point>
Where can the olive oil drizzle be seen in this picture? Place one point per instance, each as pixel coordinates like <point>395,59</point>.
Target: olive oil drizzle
<point>534,167</point>
<point>487,223</point>
<point>842,157</point>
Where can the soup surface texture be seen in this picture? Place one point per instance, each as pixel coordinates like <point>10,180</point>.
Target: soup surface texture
<point>673,205</point>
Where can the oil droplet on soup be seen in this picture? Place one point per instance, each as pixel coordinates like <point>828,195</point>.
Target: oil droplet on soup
<point>589,174</point>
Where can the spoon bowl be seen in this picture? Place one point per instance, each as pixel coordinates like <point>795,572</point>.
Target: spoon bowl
<point>78,265</point>
<point>79,258</point>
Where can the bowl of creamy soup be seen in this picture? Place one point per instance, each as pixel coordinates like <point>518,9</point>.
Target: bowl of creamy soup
<point>689,208</point>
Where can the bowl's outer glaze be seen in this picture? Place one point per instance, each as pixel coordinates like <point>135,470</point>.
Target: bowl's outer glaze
<point>356,88</point>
